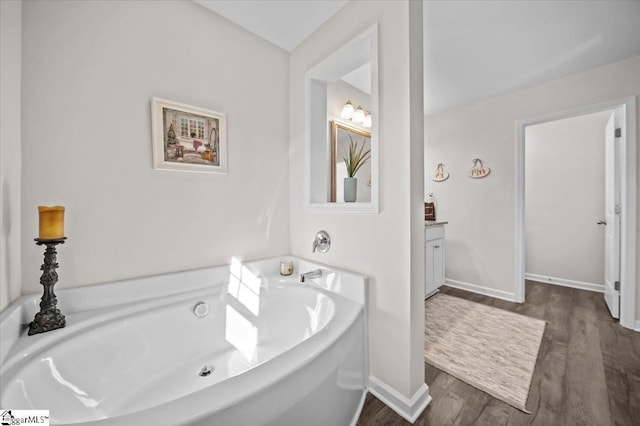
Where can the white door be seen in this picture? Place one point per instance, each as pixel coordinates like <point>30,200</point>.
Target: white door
<point>611,221</point>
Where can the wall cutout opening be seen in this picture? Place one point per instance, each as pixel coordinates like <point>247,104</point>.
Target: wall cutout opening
<point>349,75</point>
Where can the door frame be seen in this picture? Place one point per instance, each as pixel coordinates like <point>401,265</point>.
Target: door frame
<point>628,195</point>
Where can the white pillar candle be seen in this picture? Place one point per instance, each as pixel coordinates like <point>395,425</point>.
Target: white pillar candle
<point>286,267</point>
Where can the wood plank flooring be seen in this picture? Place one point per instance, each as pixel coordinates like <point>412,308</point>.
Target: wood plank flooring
<point>587,372</point>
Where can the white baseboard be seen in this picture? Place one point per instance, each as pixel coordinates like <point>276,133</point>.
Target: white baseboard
<point>486,291</point>
<point>637,325</point>
<point>356,416</point>
<point>432,293</point>
<point>598,288</point>
<point>409,409</point>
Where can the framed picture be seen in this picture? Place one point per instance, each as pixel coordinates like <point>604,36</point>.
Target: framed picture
<point>188,138</point>
<point>341,135</point>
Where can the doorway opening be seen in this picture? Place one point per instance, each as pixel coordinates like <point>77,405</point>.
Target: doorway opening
<point>618,251</point>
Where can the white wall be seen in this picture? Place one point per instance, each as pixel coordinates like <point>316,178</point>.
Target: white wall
<point>481,212</point>
<point>564,198</point>
<point>10,149</point>
<point>90,70</point>
<point>378,245</point>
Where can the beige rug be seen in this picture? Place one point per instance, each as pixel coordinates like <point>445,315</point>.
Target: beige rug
<point>491,349</point>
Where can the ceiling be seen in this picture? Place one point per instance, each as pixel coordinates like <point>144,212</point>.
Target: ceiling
<point>479,49</point>
<point>474,49</point>
<point>285,23</point>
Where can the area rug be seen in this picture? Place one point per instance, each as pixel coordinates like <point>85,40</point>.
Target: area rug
<point>491,349</point>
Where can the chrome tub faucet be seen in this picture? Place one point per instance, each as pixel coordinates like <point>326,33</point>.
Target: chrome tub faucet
<point>316,273</point>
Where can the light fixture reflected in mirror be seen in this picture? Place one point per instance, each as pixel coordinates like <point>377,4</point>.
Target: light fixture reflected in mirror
<point>347,111</point>
<point>367,120</point>
<point>358,116</point>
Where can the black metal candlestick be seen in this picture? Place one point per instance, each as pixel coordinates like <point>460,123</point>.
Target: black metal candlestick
<point>49,318</point>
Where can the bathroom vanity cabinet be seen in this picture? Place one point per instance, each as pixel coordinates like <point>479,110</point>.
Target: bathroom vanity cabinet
<point>434,253</point>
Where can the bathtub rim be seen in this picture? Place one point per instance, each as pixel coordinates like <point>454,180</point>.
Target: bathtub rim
<point>14,319</point>
<point>259,264</point>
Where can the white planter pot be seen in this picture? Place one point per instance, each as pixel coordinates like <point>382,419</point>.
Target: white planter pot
<point>350,189</point>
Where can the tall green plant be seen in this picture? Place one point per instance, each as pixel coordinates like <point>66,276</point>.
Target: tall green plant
<point>355,158</point>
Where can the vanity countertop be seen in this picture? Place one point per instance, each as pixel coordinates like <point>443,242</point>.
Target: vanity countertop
<point>428,223</point>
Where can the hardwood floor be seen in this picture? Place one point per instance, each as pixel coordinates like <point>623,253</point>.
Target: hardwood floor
<point>587,372</point>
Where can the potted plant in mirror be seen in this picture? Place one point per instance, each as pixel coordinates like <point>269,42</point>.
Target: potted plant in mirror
<point>354,160</point>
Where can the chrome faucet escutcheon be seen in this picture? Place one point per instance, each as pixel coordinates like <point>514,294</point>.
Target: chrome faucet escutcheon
<point>322,242</point>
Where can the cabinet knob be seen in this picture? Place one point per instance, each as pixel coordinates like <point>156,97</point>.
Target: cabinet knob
<point>436,247</point>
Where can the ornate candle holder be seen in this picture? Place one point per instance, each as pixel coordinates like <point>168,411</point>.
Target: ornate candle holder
<point>49,318</point>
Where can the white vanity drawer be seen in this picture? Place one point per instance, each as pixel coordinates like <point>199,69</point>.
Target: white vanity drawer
<point>433,232</point>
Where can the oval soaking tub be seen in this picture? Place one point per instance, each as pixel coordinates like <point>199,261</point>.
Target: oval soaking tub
<point>232,345</point>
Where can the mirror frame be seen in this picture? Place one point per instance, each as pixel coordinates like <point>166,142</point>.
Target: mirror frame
<point>335,125</point>
<point>317,138</point>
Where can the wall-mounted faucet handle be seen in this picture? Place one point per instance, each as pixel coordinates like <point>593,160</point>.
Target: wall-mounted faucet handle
<point>322,242</point>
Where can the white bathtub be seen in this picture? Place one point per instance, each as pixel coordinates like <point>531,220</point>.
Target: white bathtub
<point>282,352</point>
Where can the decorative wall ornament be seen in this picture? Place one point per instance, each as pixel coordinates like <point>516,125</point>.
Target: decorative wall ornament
<point>440,174</point>
<point>188,138</point>
<point>478,170</point>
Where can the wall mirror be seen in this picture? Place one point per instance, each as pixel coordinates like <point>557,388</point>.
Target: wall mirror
<point>344,137</point>
<point>342,109</point>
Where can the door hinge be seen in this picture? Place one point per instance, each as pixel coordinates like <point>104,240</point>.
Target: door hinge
<point>616,286</point>
<point>618,132</point>
<point>618,209</point>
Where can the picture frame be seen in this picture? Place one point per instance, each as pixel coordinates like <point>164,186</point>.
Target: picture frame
<point>186,138</point>
<point>338,144</point>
